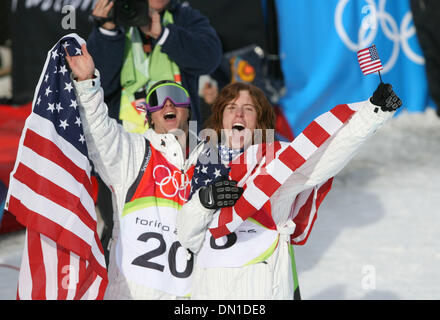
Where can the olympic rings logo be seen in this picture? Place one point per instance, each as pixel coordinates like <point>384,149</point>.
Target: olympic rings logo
<point>178,187</point>
<point>376,16</point>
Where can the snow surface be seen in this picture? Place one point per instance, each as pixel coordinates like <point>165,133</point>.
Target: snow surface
<point>381,220</point>
<point>377,235</point>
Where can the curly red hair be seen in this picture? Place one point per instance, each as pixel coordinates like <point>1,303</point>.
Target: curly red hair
<point>265,112</point>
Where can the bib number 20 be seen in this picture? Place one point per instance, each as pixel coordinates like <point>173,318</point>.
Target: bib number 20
<point>231,239</point>
<point>144,260</point>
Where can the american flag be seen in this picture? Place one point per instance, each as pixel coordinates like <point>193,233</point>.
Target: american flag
<point>50,192</point>
<point>369,60</point>
<point>262,177</point>
<point>212,164</point>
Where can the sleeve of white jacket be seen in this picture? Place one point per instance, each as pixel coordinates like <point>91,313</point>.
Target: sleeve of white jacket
<point>331,157</point>
<point>116,153</point>
<point>192,221</point>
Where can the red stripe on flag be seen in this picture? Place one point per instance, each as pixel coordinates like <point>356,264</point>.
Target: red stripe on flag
<point>51,151</point>
<point>342,112</point>
<point>369,63</point>
<point>53,192</point>
<point>323,191</point>
<point>239,166</point>
<point>264,216</point>
<point>372,71</point>
<point>101,270</point>
<point>219,231</point>
<point>38,272</point>
<point>372,68</point>
<point>244,209</point>
<point>225,215</point>
<point>270,150</point>
<point>305,213</point>
<point>308,233</point>
<point>88,277</point>
<point>316,133</point>
<point>302,218</point>
<point>54,231</point>
<point>365,56</point>
<point>267,184</point>
<point>84,283</point>
<point>63,271</point>
<point>102,288</point>
<point>291,158</point>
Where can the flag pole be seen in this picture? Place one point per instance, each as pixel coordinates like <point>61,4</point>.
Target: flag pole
<point>380,77</point>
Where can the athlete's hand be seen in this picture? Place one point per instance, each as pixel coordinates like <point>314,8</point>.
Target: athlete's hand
<point>82,65</point>
<point>220,194</point>
<point>385,98</point>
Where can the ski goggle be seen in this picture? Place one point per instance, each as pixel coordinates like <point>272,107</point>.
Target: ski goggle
<point>177,94</point>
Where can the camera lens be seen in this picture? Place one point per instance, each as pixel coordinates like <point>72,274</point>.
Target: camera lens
<point>131,13</point>
<point>129,9</point>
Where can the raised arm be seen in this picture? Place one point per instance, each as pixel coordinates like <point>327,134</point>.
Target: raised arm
<point>335,153</point>
<point>116,154</point>
<point>106,45</point>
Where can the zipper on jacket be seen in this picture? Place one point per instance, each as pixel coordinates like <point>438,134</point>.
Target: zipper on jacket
<point>182,178</point>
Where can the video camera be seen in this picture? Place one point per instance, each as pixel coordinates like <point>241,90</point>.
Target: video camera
<point>128,13</point>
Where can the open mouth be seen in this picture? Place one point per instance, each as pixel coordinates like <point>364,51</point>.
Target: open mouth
<point>169,116</point>
<point>238,126</point>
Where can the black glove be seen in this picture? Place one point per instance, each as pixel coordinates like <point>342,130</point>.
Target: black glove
<point>385,98</point>
<point>220,194</point>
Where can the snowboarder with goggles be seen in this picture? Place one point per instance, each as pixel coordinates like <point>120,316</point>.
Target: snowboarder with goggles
<point>162,91</point>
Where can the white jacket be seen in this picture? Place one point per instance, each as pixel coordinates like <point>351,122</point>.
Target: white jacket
<point>117,156</point>
<point>273,278</point>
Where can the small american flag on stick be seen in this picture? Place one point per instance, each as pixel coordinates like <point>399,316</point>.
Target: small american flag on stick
<point>369,60</point>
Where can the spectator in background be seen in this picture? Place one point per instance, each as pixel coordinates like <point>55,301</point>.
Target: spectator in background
<point>426,15</point>
<point>182,34</point>
<point>178,44</point>
<point>250,51</point>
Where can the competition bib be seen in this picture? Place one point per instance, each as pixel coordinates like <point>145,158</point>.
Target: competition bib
<point>250,243</point>
<point>149,253</point>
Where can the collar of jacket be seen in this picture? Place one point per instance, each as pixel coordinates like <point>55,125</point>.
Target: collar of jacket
<point>168,145</point>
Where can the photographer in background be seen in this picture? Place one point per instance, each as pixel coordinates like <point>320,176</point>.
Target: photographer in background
<point>136,43</point>
<point>184,36</point>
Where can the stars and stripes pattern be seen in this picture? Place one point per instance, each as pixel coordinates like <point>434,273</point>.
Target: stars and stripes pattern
<point>263,176</point>
<point>369,60</point>
<point>212,164</point>
<point>50,192</point>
